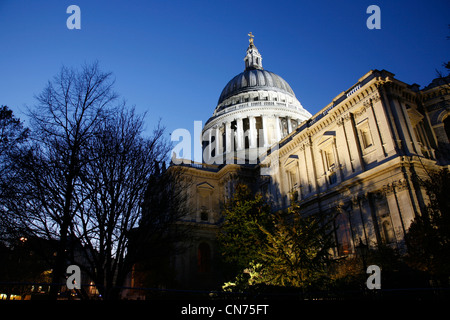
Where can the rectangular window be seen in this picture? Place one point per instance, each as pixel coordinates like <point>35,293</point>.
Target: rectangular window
<point>366,138</point>
<point>365,135</point>
<point>329,163</point>
<point>292,179</point>
<point>329,158</point>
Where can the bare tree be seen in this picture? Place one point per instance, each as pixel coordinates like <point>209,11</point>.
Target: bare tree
<point>110,204</point>
<point>67,117</point>
<point>93,183</point>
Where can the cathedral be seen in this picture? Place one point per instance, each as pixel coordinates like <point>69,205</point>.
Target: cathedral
<point>363,153</point>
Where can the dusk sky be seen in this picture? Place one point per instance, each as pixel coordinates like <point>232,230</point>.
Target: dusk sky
<point>173,58</point>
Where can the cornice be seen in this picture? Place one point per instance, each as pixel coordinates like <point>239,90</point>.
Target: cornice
<point>252,111</point>
<point>336,115</point>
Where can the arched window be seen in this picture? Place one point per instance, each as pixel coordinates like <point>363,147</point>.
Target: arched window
<point>204,214</point>
<point>203,258</point>
<point>343,235</point>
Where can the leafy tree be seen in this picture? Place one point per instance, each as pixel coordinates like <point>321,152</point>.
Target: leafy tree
<point>284,249</point>
<point>349,273</point>
<point>428,238</point>
<point>12,132</point>
<point>298,249</point>
<point>241,237</point>
<point>13,137</point>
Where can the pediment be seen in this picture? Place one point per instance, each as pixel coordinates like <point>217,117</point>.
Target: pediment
<point>291,160</point>
<point>326,138</point>
<point>205,187</point>
<point>415,116</point>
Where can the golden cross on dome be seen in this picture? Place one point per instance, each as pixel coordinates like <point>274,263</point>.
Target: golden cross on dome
<point>251,38</point>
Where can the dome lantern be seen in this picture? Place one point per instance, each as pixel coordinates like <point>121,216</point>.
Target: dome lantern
<point>253,59</point>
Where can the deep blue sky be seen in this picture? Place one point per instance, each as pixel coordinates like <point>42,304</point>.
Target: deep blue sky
<point>173,58</point>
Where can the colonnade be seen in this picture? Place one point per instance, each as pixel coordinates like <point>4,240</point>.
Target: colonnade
<point>243,133</point>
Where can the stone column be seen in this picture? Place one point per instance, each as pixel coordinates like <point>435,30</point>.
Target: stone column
<point>337,162</point>
<point>240,143</point>
<point>265,128</point>
<point>278,129</point>
<point>252,136</point>
<point>374,131</point>
<point>229,136</point>
<point>343,147</point>
<point>353,144</point>
<point>382,118</point>
<point>219,150</point>
<point>211,146</point>
<point>240,134</point>
<point>311,165</point>
<point>303,173</point>
<point>289,124</point>
<point>207,151</point>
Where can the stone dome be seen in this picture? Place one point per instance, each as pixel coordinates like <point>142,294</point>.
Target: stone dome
<point>256,109</point>
<point>255,79</point>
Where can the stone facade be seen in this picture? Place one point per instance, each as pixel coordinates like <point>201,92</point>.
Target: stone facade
<point>364,153</point>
